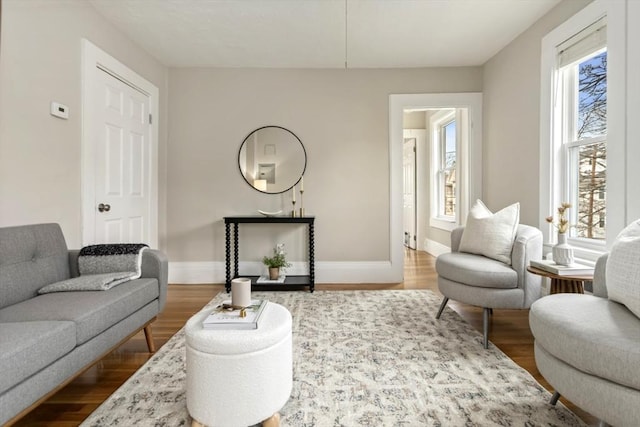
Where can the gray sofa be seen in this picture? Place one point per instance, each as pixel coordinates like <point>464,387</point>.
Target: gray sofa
<point>46,340</point>
<point>588,348</point>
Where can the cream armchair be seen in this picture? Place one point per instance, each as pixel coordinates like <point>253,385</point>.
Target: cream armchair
<point>588,346</point>
<point>489,283</point>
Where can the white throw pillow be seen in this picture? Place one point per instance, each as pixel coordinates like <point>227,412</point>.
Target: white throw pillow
<point>623,268</point>
<point>491,234</point>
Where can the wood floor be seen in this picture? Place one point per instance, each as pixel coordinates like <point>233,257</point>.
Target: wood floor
<point>71,405</point>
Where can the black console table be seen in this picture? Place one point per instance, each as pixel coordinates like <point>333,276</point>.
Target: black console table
<point>291,282</point>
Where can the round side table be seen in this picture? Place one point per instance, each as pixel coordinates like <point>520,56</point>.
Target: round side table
<point>563,284</point>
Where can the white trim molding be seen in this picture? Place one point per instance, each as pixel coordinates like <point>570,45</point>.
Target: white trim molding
<point>473,181</point>
<point>325,272</point>
<point>617,138</point>
<point>435,248</point>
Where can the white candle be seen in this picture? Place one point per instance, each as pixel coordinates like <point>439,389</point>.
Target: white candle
<point>301,184</point>
<point>241,292</point>
<point>294,193</point>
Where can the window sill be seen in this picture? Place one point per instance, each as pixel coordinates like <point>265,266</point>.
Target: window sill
<point>443,224</point>
<point>582,255</point>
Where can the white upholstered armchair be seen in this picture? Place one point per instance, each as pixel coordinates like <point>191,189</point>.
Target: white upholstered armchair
<point>489,283</point>
<point>587,347</point>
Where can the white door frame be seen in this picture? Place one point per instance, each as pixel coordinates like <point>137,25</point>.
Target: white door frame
<point>397,105</point>
<point>92,58</point>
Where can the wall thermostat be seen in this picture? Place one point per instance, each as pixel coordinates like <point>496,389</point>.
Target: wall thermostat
<point>59,110</point>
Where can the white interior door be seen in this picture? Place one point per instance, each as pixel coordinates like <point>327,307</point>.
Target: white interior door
<point>122,155</point>
<point>409,192</point>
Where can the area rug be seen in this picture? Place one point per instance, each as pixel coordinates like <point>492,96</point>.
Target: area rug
<point>363,358</point>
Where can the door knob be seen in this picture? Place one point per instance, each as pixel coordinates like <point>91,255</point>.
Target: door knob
<point>104,207</point>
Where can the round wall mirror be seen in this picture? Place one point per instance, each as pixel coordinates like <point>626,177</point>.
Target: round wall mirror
<point>272,159</point>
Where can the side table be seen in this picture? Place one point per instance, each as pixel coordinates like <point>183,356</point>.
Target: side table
<point>563,284</point>
<point>291,282</point>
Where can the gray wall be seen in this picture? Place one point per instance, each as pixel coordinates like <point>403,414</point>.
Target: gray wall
<point>342,118</point>
<point>40,62</point>
<point>511,111</point>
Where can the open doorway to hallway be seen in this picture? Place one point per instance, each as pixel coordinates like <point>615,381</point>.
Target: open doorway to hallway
<point>433,186</point>
<point>435,147</point>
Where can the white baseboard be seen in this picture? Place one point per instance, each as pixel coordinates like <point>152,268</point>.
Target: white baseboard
<point>434,248</point>
<point>325,272</point>
<point>196,272</point>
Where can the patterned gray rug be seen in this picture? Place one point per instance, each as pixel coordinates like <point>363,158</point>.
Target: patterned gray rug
<point>372,358</point>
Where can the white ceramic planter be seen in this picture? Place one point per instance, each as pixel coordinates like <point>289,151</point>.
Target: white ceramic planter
<point>562,251</point>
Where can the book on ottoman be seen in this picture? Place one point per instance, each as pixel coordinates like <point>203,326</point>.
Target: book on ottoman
<point>224,316</point>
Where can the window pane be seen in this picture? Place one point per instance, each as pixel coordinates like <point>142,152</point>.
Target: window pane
<point>450,145</point>
<point>592,190</point>
<point>450,192</point>
<point>592,97</point>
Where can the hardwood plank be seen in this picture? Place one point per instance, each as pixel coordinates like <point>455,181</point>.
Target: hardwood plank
<point>71,405</point>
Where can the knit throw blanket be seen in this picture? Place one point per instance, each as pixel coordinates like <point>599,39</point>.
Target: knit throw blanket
<point>102,267</point>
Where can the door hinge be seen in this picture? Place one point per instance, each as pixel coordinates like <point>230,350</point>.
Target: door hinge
<point>150,119</point>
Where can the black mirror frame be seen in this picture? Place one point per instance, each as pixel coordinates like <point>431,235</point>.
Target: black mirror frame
<point>304,151</point>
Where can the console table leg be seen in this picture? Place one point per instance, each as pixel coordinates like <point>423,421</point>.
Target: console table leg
<point>235,250</point>
<point>312,266</point>
<point>227,233</point>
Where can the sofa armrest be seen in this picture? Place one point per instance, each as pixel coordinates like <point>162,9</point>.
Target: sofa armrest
<point>456,237</point>
<point>155,265</point>
<point>599,277</point>
<point>527,246</point>
<point>73,262</point>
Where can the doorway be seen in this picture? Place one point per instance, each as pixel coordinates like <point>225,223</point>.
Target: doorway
<point>122,159</point>
<point>119,152</point>
<point>471,180</point>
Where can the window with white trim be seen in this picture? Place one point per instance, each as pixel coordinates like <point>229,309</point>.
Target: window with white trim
<point>579,133</point>
<point>447,170</point>
<point>444,155</point>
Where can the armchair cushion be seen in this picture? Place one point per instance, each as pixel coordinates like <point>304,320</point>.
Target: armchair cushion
<point>592,334</point>
<point>491,234</point>
<point>623,268</point>
<point>476,271</point>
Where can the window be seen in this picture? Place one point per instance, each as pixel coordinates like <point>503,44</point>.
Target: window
<point>585,107</point>
<point>447,170</point>
<point>600,27</point>
<point>582,122</point>
<point>578,143</point>
<point>445,161</point>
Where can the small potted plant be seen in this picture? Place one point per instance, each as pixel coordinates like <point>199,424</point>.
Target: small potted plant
<point>276,262</point>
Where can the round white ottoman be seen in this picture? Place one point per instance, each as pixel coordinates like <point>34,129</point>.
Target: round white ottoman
<point>239,377</point>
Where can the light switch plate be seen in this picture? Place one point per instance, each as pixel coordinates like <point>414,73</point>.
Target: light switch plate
<point>59,110</point>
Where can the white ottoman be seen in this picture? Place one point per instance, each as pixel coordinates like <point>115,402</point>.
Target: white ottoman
<point>239,377</point>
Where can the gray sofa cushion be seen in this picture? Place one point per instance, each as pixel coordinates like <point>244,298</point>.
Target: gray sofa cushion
<point>476,270</point>
<point>31,257</point>
<point>592,334</point>
<point>92,311</point>
<point>27,347</point>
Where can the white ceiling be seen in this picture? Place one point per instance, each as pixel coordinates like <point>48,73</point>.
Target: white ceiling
<point>322,33</point>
